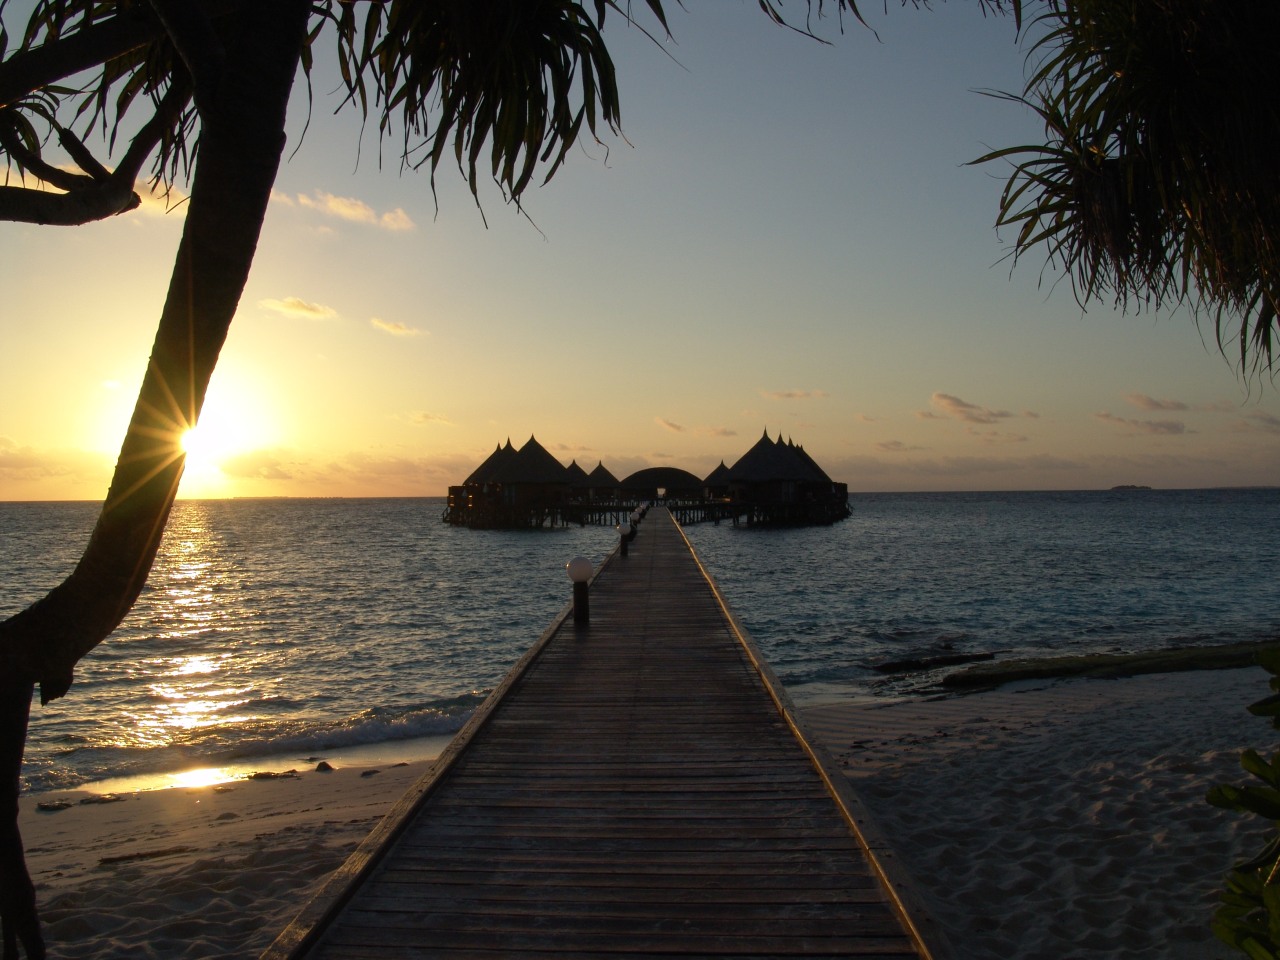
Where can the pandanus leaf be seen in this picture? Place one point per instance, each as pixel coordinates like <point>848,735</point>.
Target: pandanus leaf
<point>1263,801</point>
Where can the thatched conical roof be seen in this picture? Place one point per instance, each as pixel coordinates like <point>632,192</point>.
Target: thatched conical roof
<point>717,477</point>
<point>819,473</point>
<point>600,477</point>
<point>770,461</point>
<point>491,465</point>
<point>764,462</point>
<point>531,464</point>
<point>576,475</point>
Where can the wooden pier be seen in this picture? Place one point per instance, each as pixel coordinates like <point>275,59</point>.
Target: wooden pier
<point>637,787</point>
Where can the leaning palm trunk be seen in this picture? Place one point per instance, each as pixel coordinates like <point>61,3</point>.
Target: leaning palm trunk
<point>242,97</point>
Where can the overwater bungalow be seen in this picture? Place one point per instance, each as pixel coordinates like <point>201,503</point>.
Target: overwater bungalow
<point>579,481</point>
<point>775,482</point>
<point>782,484</point>
<point>513,488</point>
<point>604,485</point>
<point>716,484</point>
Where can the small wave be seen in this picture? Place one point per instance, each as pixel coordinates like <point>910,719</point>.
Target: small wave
<point>70,768</point>
<point>375,725</point>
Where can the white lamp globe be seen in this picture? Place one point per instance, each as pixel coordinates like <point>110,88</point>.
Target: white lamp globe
<point>579,569</point>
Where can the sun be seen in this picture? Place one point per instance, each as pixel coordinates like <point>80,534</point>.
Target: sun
<point>192,442</point>
<point>230,428</point>
<point>205,449</point>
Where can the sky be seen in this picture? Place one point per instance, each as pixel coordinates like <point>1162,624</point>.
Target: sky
<point>788,238</point>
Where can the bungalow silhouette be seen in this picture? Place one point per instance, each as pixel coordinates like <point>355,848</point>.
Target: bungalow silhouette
<point>782,483</point>
<point>775,482</point>
<point>513,488</point>
<point>601,484</point>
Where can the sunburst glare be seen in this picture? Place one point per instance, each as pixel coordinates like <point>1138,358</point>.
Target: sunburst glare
<point>233,424</point>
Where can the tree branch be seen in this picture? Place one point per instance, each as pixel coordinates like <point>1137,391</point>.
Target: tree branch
<point>27,205</point>
<point>88,198</point>
<point>35,164</point>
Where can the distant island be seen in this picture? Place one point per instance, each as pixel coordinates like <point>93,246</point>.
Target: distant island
<point>1131,486</point>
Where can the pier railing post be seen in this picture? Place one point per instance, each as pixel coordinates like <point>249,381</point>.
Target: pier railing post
<point>579,571</point>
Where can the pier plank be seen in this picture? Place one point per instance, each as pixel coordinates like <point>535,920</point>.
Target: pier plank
<point>637,787</point>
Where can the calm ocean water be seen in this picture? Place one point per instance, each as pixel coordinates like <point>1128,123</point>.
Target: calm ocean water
<point>277,630</point>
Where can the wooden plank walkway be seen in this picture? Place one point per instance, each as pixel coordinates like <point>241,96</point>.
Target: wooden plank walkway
<point>635,788</point>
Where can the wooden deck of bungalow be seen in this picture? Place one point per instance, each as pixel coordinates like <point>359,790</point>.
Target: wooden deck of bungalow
<point>637,787</point>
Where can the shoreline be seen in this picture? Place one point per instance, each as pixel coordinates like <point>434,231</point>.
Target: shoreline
<point>1044,819</point>
<point>991,673</point>
<point>384,753</point>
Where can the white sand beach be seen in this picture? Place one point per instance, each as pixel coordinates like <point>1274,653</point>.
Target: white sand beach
<point>1063,819</point>
<point>197,872</point>
<point>1054,820</point>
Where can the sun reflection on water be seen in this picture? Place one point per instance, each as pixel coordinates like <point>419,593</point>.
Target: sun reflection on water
<point>196,664</point>
<point>204,777</point>
<point>195,689</point>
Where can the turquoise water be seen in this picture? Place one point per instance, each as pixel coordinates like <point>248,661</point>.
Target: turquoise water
<point>296,628</point>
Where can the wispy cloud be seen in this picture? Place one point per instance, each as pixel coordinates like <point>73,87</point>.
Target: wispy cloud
<point>967,412</point>
<point>58,474</point>
<point>297,308</point>
<point>896,446</point>
<point>794,394</point>
<point>422,416</point>
<point>257,465</point>
<point>1144,402</point>
<point>355,211</point>
<point>996,436</point>
<point>710,431</point>
<point>1265,422</point>
<point>160,202</point>
<point>396,220</point>
<point>1156,427</point>
<point>395,328</point>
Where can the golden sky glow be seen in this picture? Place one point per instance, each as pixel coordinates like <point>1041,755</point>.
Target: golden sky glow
<point>789,239</point>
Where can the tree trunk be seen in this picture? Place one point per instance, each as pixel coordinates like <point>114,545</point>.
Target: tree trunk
<point>241,141</point>
<point>17,895</point>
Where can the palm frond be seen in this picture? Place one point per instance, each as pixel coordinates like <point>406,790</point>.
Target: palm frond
<point>1155,184</point>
